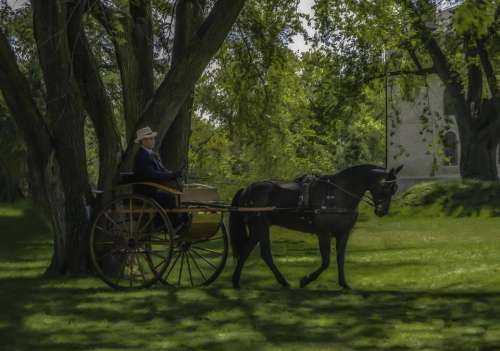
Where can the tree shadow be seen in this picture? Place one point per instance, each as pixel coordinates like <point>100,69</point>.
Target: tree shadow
<point>84,314</point>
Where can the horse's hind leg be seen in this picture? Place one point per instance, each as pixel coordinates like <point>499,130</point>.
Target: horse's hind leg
<point>325,240</point>
<point>250,245</point>
<point>341,246</point>
<point>265,253</point>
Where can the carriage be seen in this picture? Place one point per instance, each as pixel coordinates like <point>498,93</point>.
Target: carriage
<point>135,243</point>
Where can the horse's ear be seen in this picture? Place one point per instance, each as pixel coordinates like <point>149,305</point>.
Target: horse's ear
<point>397,170</point>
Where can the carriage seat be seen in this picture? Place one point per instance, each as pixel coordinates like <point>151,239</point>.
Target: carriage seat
<point>127,178</point>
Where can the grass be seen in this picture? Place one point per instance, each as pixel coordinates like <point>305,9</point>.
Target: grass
<point>419,284</point>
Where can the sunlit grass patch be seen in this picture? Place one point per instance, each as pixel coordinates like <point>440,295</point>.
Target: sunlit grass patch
<point>11,212</point>
<point>418,285</point>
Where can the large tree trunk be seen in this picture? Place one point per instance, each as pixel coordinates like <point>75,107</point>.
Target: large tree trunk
<point>65,175</point>
<point>9,188</point>
<point>478,159</point>
<point>175,146</point>
<point>97,102</point>
<point>55,140</point>
<point>478,119</point>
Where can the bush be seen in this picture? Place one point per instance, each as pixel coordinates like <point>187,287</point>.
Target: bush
<point>450,198</point>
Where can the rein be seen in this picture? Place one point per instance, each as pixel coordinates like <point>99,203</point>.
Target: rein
<point>361,198</point>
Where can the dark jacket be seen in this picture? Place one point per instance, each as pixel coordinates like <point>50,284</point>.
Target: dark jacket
<point>149,169</point>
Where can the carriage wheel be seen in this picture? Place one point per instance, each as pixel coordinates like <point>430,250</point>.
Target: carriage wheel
<point>197,262</point>
<point>131,242</point>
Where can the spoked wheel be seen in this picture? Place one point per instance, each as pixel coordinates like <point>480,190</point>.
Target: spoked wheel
<point>197,262</point>
<point>131,242</point>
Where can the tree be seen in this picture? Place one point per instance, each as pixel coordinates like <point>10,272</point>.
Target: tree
<point>12,158</point>
<point>267,113</point>
<point>74,89</point>
<point>474,88</point>
<point>464,55</point>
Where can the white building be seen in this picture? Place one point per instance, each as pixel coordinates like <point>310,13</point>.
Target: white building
<point>421,129</point>
<point>422,134</point>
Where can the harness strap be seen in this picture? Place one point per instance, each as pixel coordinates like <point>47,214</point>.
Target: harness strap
<point>361,198</point>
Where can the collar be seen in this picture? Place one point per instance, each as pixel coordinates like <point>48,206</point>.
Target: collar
<point>150,151</point>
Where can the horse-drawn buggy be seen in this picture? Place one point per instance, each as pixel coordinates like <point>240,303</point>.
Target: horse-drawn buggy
<point>136,243</point>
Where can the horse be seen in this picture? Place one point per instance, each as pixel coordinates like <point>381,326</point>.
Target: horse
<point>330,212</point>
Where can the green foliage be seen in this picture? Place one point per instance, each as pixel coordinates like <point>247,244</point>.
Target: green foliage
<point>475,16</point>
<point>264,113</point>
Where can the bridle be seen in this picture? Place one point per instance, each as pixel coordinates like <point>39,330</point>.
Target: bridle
<point>371,202</point>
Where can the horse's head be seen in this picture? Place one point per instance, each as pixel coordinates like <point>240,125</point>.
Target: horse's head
<point>382,187</point>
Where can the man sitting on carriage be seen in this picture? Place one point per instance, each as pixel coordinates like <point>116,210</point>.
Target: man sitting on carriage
<point>149,168</point>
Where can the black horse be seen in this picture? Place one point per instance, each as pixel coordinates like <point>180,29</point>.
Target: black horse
<point>330,211</point>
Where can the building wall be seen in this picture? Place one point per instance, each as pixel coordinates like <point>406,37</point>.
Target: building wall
<point>420,151</point>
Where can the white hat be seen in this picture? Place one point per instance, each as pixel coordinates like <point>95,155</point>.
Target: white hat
<point>143,133</point>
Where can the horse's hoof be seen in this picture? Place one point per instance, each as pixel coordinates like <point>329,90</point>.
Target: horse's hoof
<point>303,282</point>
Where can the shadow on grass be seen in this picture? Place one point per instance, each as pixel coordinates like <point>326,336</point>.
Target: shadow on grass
<point>41,317</point>
<point>83,314</point>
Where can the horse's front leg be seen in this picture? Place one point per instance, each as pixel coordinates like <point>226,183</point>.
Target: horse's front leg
<point>324,240</point>
<point>341,243</point>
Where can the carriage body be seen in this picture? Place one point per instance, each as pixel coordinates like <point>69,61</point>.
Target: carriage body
<point>205,220</point>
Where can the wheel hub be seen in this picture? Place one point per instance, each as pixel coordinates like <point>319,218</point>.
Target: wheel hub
<point>132,243</point>
<point>185,246</point>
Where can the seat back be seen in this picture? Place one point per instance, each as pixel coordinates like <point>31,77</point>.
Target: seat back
<point>199,193</point>
<point>126,177</point>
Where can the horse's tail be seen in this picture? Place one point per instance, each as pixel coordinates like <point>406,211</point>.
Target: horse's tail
<point>237,228</point>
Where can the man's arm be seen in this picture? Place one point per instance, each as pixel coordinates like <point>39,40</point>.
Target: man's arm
<point>143,169</point>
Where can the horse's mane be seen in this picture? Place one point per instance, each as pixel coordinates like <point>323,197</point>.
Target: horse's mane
<point>346,172</point>
<point>353,170</point>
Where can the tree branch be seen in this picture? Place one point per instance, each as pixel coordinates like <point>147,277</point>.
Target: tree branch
<point>418,72</point>
<point>18,97</point>
<point>443,68</point>
<point>175,146</point>
<point>475,78</point>
<point>142,42</point>
<point>488,70</point>
<point>95,98</point>
<point>137,87</point>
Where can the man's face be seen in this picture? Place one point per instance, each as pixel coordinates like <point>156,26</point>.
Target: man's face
<point>148,142</point>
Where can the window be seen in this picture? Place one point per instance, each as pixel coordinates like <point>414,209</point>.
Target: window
<point>450,145</point>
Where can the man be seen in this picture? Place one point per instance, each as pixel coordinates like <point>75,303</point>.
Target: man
<point>149,168</point>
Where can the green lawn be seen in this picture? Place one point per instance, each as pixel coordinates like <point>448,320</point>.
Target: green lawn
<point>419,284</point>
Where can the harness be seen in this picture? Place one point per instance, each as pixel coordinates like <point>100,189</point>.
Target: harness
<point>304,186</point>
<point>304,192</point>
